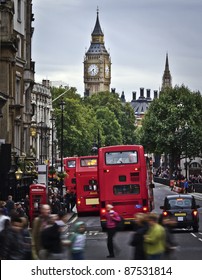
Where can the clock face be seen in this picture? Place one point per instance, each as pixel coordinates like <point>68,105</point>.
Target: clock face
<point>107,70</point>
<point>93,69</point>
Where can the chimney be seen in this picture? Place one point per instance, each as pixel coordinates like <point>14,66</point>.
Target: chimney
<point>141,92</point>
<point>46,83</point>
<point>148,94</point>
<point>155,94</point>
<point>134,95</point>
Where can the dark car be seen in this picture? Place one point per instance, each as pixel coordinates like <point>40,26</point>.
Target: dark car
<point>183,208</point>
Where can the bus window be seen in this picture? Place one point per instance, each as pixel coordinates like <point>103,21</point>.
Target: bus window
<point>71,163</point>
<point>88,162</point>
<point>126,189</point>
<point>122,157</point>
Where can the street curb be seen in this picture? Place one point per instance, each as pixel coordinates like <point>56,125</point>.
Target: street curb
<point>72,216</point>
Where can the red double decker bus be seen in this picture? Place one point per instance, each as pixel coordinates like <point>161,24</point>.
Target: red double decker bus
<point>86,184</point>
<point>70,169</point>
<point>124,181</point>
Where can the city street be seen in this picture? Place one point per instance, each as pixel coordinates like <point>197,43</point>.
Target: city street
<point>189,243</point>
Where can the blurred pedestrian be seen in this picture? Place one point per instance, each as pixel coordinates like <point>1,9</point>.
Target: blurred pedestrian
<point>26,205</point>
<point>112,218</point>
<point>39,223</point>
<point>20,210</point>
<point>52,240</point>
<point>154,239</point>
<point>78,241</point>
<point>186,185</point>
<point>26,238</point>
<point>55,204</point>
<point>137,240</point>
<point>67,200</point>
<point>3,206</point>
<point>4,219</point>
<point>73,202</point>
<point>13,248</point>
<point>10,205</point>
<point>170,243</point>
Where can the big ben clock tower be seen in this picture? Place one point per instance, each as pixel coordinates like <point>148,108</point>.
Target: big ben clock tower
<point>97,63</point>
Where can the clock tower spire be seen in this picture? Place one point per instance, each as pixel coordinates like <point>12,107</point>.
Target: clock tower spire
<point>97,63</point>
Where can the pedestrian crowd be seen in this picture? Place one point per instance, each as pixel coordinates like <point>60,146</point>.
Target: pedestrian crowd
<point>51,238</point>
<point>152,238</point>
<point>47,239</point>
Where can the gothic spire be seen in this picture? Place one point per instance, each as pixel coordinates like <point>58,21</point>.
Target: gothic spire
<point>167,79</point>
<point>97,29</point>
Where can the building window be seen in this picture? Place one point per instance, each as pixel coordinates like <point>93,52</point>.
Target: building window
<point>19,14</point>
<point>17,138</point>
<point>17,90</point>
<point>19,46</point>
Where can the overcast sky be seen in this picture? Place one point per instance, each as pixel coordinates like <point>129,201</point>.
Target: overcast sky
<point>137,33</point>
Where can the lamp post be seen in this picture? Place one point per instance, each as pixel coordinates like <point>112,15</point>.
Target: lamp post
<point>52,146</point>
<point>41,143</point>
<point>97,145</point>
<point>186,128</point>
<point>62,104</point>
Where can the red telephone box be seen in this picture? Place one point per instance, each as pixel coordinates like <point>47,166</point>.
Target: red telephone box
<point>37,196</point>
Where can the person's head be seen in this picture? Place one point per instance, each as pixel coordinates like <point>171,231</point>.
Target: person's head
<point>80,227</point>
<point>140,218</point>
<point>10,197</point>
<point>2,204</point>
<point>109,207</point>
<point>16,222</point>
<point>45,210</point>
<point>18,206</point>
<point>153,218</point>
<point>132,158</point>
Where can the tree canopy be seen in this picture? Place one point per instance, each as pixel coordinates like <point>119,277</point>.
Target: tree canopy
<point>172,124</point>
<point>101,118</point>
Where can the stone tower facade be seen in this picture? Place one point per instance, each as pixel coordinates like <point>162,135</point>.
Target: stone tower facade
<point>97,63</point>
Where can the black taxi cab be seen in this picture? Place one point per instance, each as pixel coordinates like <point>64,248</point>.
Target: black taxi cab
<point>183,208</point>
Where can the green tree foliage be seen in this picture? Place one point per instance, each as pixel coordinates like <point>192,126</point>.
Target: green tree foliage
<point>123,112</point>
<point>101,117</point>
<point>172,125</point>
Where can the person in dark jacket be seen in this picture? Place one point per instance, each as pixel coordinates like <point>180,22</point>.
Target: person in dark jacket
<point>137,240</point>
<point>51,238</point>
<point>13,248</point>
<point>10,205</point>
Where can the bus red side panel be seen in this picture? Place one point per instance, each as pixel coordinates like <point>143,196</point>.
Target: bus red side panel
<point>123,185</point>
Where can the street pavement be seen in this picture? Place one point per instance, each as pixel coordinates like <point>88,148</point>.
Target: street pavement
<point>197,195</point>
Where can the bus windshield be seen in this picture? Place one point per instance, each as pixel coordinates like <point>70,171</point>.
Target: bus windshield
<point>122,157</point>
<point>126,189</point>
